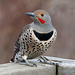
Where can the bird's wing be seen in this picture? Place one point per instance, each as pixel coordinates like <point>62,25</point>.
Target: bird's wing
<point>17,44</point>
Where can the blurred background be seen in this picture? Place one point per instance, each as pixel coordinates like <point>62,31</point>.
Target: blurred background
<point>12,20</point>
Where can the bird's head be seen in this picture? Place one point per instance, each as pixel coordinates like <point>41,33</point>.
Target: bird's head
<point>40,17</point>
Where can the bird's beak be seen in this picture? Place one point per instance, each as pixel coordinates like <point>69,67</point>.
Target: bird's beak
<point>30,14</point>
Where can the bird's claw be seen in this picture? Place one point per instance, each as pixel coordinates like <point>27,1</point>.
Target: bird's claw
<point>46,61</point>
<point>28,64</point>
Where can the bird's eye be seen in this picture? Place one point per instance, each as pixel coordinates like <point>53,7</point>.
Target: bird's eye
<point>42,15</point>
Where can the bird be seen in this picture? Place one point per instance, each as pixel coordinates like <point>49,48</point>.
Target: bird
<point>35,38</point>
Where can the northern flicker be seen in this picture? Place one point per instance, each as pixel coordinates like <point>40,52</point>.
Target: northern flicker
<point>35,38</point>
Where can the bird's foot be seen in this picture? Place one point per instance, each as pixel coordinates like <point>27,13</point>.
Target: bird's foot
<point>28,64</point>
<point>46,61</point>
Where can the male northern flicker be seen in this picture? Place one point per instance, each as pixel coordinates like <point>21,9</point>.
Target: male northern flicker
<point>35,38</point>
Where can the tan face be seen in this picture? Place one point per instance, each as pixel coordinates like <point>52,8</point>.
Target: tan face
<point>40,14</point>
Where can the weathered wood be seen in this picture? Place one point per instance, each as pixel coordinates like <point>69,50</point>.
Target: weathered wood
<point>62,67</point>
<point>16,69</point>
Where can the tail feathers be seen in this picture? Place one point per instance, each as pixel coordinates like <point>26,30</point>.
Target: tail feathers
<point>12,60</point>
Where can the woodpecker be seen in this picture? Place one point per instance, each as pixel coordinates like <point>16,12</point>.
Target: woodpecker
<point>35,38</point>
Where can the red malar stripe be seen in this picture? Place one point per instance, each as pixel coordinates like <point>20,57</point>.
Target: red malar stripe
<point>42,21</point>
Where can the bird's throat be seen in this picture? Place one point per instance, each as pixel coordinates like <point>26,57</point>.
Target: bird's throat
<point>41,21</point>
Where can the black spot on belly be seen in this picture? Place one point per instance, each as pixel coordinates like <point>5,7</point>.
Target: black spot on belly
<point>43,36</point>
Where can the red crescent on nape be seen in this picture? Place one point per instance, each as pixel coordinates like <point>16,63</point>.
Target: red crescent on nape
<point>42,21</point>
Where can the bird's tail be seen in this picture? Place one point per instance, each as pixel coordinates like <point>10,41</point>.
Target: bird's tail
<point>12,60</point>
